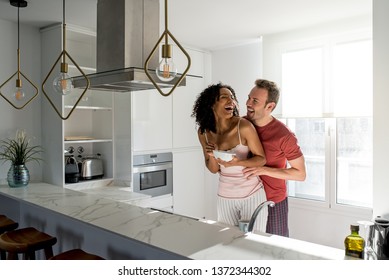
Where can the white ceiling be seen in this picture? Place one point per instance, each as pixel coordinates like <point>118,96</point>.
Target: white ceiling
<point>205,24</point>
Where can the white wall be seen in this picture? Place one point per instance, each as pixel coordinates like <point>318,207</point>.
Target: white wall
<point>238,66</point>
<point>30,117</point>
<point>380,107</point>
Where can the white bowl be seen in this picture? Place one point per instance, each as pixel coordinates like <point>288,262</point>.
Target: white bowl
<point>223,155</point>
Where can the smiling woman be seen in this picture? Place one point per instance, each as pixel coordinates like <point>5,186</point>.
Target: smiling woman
<point>221,129</point>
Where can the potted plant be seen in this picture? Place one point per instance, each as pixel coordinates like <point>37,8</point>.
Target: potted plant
<point>19,151</point>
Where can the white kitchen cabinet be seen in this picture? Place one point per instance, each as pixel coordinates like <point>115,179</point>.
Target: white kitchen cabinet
<point>151,121</point>
<point>184,126</point>
<point>165,123</point>
<point>188,161</point>
<point>188,183</point>
<point>197,61</point>
<point>162,124</point>
<point>90,126</point>
<point>211,182</point>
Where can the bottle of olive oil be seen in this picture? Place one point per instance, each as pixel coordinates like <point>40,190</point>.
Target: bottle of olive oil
<point>354,244</point>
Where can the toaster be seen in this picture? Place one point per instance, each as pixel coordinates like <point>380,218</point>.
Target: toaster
<point>91,168</point>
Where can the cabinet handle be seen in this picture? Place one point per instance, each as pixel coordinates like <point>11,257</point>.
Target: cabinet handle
<point>150,168</point>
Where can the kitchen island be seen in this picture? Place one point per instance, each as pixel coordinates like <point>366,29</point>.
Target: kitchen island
<point>116,229</point>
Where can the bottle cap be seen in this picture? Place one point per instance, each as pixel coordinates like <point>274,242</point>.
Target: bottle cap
<point>354,227</point>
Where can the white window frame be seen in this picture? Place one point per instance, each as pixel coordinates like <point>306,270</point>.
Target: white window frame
<point>326,43</point>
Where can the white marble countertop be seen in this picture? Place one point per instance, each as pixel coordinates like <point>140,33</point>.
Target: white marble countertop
<point>111,209</point>
<point>121,194</point>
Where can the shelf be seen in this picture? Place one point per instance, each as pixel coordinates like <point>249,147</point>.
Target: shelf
<point>88,141</point>
<point>89,108</point>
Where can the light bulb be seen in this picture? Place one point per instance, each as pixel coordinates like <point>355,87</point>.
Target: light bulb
<point>63,84</point>
<point>19,94</point>
<point>166,70</point>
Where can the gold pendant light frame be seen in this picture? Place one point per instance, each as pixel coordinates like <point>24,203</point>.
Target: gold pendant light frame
<point>64,69</point>
<point>19,73</point>
<point>166,46</point>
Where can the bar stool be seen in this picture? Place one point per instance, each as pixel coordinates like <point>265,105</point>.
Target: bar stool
<point>6,224</point>
<point>26,241</point>
<point>76,254</point>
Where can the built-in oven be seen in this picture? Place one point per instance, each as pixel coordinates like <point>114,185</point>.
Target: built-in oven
<point>153,174</point>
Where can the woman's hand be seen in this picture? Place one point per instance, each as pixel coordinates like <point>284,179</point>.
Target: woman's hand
<point>209,148</point>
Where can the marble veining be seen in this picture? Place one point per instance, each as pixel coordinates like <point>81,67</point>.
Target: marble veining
<point>111,209</point>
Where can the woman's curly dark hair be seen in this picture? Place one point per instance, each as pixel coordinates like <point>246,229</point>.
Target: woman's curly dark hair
<point>202,109</point>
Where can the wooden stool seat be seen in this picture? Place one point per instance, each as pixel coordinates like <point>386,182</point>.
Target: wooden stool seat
<point>76,254</point>
<point>6,224</point>
<point>26,241</point>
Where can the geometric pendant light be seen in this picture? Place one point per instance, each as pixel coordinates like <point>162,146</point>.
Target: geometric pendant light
<point>166,70</point>
<point>19,95</point>
<point>63,84</point>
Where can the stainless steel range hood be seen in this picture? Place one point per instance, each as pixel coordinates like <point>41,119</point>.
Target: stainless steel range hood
<point>123,80</point>
<point>127,31</point>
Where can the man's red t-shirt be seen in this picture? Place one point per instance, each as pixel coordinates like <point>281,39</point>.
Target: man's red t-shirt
<point>280,145</point>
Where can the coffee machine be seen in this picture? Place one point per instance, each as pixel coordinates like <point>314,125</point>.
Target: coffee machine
<point>381,238</point>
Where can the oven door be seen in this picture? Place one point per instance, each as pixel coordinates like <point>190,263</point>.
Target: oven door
<point>153,179</point>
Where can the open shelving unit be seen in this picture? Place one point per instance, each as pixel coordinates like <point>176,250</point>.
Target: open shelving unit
<point>90,126</point>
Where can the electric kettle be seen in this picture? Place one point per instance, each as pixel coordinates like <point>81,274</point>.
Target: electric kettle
<point>381,238</point>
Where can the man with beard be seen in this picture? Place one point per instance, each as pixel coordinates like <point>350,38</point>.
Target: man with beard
<point>284,158</point>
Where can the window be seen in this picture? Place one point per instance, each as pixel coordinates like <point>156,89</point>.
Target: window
<point>327,101</point>
<point>311,135</point>
<point>354,161</point>
<point>309,65</point>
